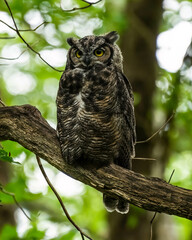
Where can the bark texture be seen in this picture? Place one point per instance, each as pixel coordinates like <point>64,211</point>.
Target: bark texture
<point>25,125</point>
<point>138,45</point>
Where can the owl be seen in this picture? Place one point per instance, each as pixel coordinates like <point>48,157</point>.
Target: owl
<point>95,112</point>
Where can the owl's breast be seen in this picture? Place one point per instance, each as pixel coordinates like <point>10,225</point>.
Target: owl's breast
<point>99,90</point>
<point>89,118</point>
<point>99,125</point>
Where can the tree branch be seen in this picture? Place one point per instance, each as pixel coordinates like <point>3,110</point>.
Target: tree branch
<point>25,125</point>
<point>80,8</point>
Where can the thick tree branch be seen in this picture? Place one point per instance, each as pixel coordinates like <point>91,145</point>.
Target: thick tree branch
<point>25,125</point>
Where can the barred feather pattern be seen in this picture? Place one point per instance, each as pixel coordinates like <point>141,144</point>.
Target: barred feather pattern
<point>95,113</point>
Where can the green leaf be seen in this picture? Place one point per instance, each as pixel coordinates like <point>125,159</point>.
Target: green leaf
<point>34,233</point>
<point>69,236</point>
<point>4,156</point>
<point>9,232</point>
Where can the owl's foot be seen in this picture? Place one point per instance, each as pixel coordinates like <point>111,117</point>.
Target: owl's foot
<point>122,206</point>
<point>112,204</point>
<point>109,202</point>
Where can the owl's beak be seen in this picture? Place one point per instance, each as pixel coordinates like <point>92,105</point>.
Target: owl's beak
<point>87,60</point>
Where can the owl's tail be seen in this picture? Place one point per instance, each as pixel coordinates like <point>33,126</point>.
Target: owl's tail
<point>112,204</point>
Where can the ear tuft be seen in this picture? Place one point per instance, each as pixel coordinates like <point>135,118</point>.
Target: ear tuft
<point>71,41</point>
<point>111,37</point>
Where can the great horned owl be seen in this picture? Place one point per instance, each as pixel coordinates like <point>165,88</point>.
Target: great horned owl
<point>95,112</point>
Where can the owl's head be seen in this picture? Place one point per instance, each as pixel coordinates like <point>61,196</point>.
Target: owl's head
<point>91,50</point>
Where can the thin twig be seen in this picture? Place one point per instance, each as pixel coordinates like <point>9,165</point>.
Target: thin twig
<point>151,225</point>
<point>24,30</point>
<point>15,58</point>
<point>6,38</point>
<point>155,214</point>
<point>34,29</point>
<point>171,175</point>
<point>60,200</point>
<point>8,25</point>
<point>154,134</point>
<point>80,8</point>
<point>2,103</point>
<point>18,33</point>
<point>14,198</point>
<point>144,159</point>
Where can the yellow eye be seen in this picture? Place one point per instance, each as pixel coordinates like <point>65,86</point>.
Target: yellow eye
<point>78,53</point>
<point>99,52</point>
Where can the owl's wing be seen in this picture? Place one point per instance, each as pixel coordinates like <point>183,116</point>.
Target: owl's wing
<point>126,104</point>
<point>128,85</point>
<point>128,107</point>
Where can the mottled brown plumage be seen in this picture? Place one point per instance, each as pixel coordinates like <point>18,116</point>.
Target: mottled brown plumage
<point>96,123</point>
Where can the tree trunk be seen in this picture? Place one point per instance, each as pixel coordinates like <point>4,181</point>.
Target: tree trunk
<point>138,44</point>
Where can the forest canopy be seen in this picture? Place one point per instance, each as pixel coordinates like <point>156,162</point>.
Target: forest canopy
<point>155,39</point>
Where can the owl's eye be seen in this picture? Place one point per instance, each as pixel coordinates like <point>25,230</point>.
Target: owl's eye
<point>99,52</point>
<point>78,54</point>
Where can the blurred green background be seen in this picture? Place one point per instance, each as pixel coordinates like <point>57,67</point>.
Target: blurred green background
<point>155,38</point>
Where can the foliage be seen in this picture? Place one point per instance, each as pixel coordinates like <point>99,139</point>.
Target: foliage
<point>9,232</point>
<point>4,156</point>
